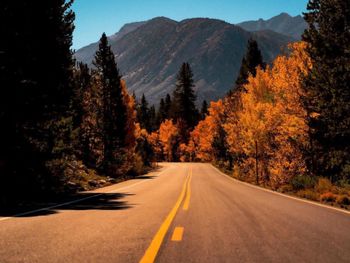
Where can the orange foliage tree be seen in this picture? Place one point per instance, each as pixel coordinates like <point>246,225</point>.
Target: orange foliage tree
<point>165,141</point>
<point>200,146</point>
<point>269,130</point>
<point>131,131</point>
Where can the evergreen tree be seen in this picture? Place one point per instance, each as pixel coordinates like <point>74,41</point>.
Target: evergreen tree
<point>167,107</point>
<point>82,78</point>
<point>250,61</point>
<point>114,109</point>
<point>89,142</point>
<point>152,119</point>
<point>162,112</point>
<point>143,114</point>
<point>183,105</point>
<point>145,150</point>
<point>204,109</point>
<point>134,96</point>
<point>327,99</point>
<point>37,91</point>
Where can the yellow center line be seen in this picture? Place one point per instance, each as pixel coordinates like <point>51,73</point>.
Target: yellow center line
<point>177,234</point>
<point>152,250</point>
<point>188,193</point>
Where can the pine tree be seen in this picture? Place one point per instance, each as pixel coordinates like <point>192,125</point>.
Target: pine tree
<point>167,107</point>
<point>152,119</point>
<point>134,96</point>
<point>114,109</point>
<point>204,109</point>
<point>327,98</point>
<point>162,113</point>
<point>82,78</point>
<point>89,144</point>
<point>36,90</point>
<point>143,114</point>
<point>82,81</point>
<point>145,150</point>
<point>250,61</point>
<point>183,105</point>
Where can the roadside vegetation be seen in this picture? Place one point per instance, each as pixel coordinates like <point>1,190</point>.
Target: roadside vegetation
<point>64,127</point>
<point>284,126</point>
<point>67,127</point>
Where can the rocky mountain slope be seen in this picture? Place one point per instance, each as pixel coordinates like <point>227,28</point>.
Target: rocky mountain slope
<point>283,24</point>
<point>150,53</point>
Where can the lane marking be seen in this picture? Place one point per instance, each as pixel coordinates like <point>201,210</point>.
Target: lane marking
<point>152,250</point>
<point>281,194</point>
<point>177,234</point>
<point>76,201</point>
<point>188,192</point>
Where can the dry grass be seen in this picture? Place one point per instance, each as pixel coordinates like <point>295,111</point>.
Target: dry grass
<point>328,197</point>
<point>323,186</point>
<point>308,194</point>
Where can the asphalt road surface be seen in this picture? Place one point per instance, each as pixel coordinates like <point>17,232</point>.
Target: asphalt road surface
<point>180,213</point>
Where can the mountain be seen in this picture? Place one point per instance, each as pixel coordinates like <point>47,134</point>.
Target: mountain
<point>283,24</point>
<point>150,55</point>
<point>87,53</point>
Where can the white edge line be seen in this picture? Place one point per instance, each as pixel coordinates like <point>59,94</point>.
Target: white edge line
<point>281,194</point>
<point>76,201</point>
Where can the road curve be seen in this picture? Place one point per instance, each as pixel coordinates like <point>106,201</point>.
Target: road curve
<point>184,212</point>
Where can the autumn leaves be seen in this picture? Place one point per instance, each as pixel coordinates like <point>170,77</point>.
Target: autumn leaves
<point>258,130</point>
<point>264,123</point>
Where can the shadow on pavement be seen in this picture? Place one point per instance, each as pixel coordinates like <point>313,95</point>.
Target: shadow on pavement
<point>81,201</point>
<point>145,177</point>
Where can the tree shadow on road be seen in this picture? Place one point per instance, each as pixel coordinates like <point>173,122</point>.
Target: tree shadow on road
<point>81,201</point>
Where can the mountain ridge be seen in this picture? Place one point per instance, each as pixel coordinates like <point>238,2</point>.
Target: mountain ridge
<point>151,52</point>
<point>283,23</point>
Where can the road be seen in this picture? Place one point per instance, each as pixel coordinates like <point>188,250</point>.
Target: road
<point>183,212</point>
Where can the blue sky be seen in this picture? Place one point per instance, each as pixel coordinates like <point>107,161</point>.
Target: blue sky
<point>93,17</point>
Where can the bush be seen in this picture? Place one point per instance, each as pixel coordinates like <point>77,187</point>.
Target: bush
<point>236,172</point>
<point>328,197</point>
<point>343,191</point>
<point>308,194</point>
<point>302,182</point>
<point>138,167</point>
<point>344,184</point>
<point>343,200</point>
<point>324,185</point>
<point>286,188</point>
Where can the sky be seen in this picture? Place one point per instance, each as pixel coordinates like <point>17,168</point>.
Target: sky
<point>93,17</point>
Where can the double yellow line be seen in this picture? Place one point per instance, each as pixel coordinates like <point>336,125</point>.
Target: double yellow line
<point>188,194</point>
<point>152,251</point>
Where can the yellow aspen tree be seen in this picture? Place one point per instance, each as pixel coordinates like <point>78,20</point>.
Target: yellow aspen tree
<point>269,128</point>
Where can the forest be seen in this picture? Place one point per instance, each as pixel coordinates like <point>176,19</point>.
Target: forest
<point>67,127</point>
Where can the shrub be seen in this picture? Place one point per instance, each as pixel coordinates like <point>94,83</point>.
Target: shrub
<point>138,167</point>
<point>308,194</point>
<point>236,172</point>
<point>343,191</point>
<point>343,200</point>
<point>344,183</point>
<point>302,182</point>
<point>324,185</point>
<point>286,188</point>
<point>328,197</point>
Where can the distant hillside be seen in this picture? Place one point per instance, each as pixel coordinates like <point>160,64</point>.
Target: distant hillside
<point>150,54</point>
<point>87,53</point>
<point>283,24</point>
